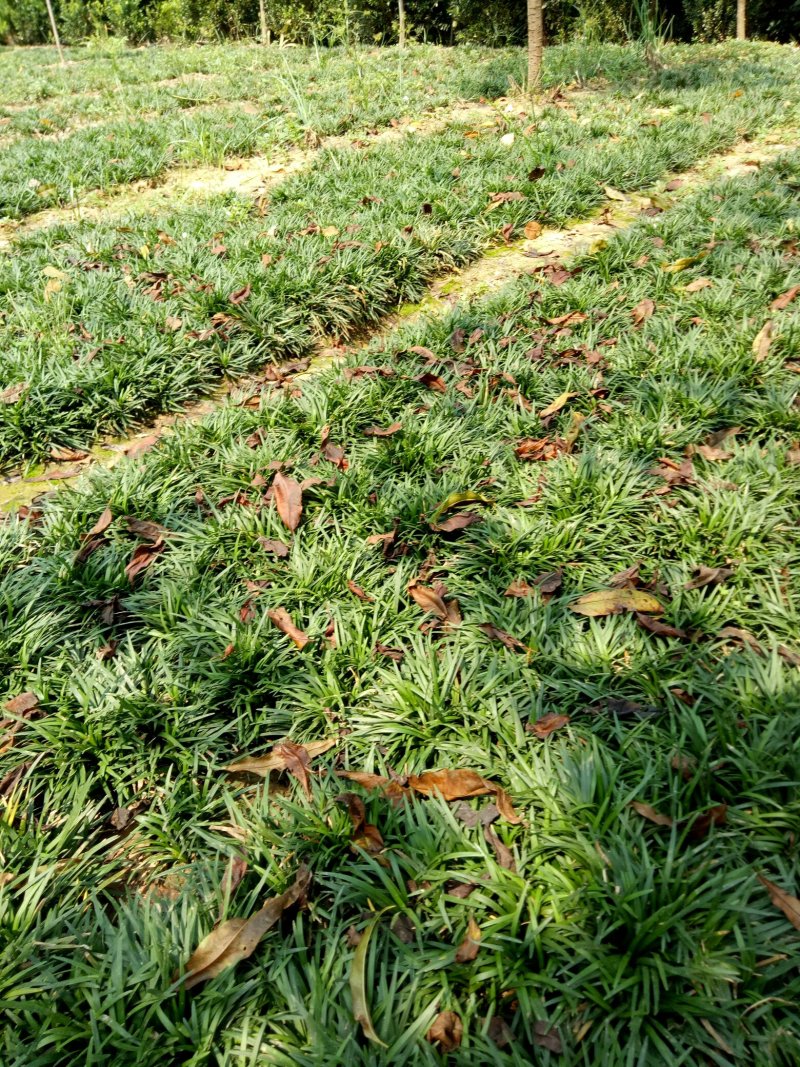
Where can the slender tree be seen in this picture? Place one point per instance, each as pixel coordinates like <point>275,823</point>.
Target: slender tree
<point>401,29</point>
<point>55,33</point>
<point>262,18</point>
<point>741,19</point>
<point>535,44</point>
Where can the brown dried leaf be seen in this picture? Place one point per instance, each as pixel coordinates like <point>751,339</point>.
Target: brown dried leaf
<point>12,393</point>
<point>277,548</point>
<point>335,454</point>
<point>380,431</point>
<point>101,525</point>
<point>650,813</point>
<point>532,230</point>
<point>643,311</point>
<point>708,576</point>
<point>698,284</point>
<point>283,620</point>
<point>546,1036</point>
<point>459,521</point>
<point>240,295</point>
<point>547,724</point>
<point>396,654</point>
<point>356,590</point>
<point>496,634</point>
<point>148,531</point>
<point>451,784</point>
<point>236,939</point>
<point>785,299</point>
<point>660,629</point>
<point>288,495</point>
<point>281,757</point>
<point>429,600</point>
<point>144,556</point>
<point>504,855</point>
<point>789,905</point>
<point>470,946</point>
<point>446,1031</point>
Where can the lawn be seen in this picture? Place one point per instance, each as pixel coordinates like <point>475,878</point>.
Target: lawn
<point>106,321</point>
<point>545,544</point>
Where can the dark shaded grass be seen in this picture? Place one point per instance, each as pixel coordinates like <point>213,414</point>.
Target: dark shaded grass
<point>625,935</point>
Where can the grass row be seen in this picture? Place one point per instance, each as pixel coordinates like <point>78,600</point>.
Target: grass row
<point>247,100</point>
<point>277,102</point>
<point>638,943</point>
<point>105,322</point>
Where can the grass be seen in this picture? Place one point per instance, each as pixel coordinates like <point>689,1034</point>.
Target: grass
<point>242,100</point>
<point>638,943</point>
<point>134,322</point>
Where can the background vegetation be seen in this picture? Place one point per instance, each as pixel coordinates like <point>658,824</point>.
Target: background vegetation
<point>448,21</point>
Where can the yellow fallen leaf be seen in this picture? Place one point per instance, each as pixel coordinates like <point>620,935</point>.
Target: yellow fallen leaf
<point>697,285</point>
<point>614,194</point>
<point>615,601</point>
<point>330,231</point>
<point>54,272</point>
<point>557,405</point>
<point>532,230</point>
<point>762,341</point>
<point>682,264</point>
<point>507,139</point>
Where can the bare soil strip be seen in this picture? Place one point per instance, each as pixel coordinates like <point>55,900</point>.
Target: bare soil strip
<point>486,275</point>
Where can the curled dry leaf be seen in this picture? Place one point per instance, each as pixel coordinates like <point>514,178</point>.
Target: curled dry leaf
<point>383,431</point>
<point>283,620</point>
<point>366,836</point>
<point>788,904</point>
<point>470,946</point>
<point>358,984</point>
<point>148,531</point>
<point>236,939</point>
<point>496,634</point>
<point>283,757</point>
<point>240,295</point>
<point>708,576</point>
<point>447,1029</point>
<point>503,854</point>
<point>785,299</point>
<point>532,230</point>
<point>275,547</point>
<point>660,629</point>
<point>648,812</point>
<point>643,311</point>
<point>288,495</point>
<point>356,590</point>
<point>615,601</point>
<point>547,724</point>
<point>101,525</point>
<point>459,784</point>
<point>546,1036</point>
<point>431,601</point>
<point>456,522</point>
<point>712,454</point>
<point>144,556</point>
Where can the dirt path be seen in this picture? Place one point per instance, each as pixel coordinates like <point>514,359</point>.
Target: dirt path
<point>486,275</point>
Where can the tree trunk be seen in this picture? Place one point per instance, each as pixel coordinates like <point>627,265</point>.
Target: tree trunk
<point>56,38</point>
<point>535,44</point>
<point>741,20</point>
<point>262,18</point>
<point>401,31</point>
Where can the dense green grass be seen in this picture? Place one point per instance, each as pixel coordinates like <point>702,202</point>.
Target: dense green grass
<point>243,100</point>
<point>360,232</point>
<point>630,938</point>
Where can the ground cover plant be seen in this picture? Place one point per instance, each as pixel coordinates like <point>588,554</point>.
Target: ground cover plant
<point>550,540</point>
<point>105,321</point>
<point>241,100</point>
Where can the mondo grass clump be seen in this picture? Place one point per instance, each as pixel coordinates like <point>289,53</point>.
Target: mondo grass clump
<point>436,518</point>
